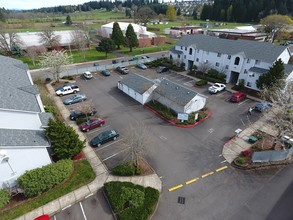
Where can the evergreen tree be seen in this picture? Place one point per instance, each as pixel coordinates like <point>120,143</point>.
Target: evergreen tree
<point>178,11</point>
<point>117,35</point>
<point>128,13</point>
<point>131,38</point>
<point>68,20</point>
<point>65,141</point>
<point>171,13</point>
<point>106,45</point>
<point>272,78</point>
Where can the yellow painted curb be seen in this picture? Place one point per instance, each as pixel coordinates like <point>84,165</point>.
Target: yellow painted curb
<point>191,181</point>
<point>175,187</point>
<point>222,168</point>
<point>207,174</point>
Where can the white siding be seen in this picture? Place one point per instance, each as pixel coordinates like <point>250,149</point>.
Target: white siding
<point>146,97</point>
<point>20,160</point>
<point>196,104</point>
<point>285,56</point>
<point>133,94</point>
<point>19,120</point>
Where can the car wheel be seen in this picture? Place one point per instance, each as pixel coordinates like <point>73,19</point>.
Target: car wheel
<point>101,125</point>
<point>99,145</point>
<point>61,95</point>
<point>74,91</point>
<point>114,138</point>
<point>87,130</point>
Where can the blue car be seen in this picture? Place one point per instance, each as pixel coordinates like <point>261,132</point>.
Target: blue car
<point>262,106</point>
<point>75,99</point>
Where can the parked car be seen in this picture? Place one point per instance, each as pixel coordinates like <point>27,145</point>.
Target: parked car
<point>79,114</point>
<point>122,70</point>
<point>141,66</point>
<point>237,97</point>
<point>116,61</point>
<point>262,106</point>
<point>67,89</point>
<point>106,72</point>
<point>162,69</point>
<point>43,217</point>
<point>96,64</point>
<point>144,57</point>
<point>91,124</point>
<point>75,99</point>
<point>104,137</point>
<point>87,75</point>
<point>217,87</point>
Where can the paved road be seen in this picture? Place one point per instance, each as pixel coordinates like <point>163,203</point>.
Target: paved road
<point>187,159</point>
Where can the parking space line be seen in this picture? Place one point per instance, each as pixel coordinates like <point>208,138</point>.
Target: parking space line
<point>97,129</point>
<point>223,161</point>
<point>175,187</point>
<point>221,93</point>
<point>55,217</point>
<point>191,181</point>
<point>243,102</point>
<point>113,155</point>
<point>188,82</point>
<point>66,207</point>
<point>83,213</point>
<point>207,174</point>
<point>222,168</point>
<point>101,148</point>
<point>89,195</point>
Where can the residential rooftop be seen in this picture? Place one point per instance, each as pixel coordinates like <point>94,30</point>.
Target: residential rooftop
<point>138,83</point>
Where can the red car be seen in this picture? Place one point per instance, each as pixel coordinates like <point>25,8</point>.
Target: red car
<point>91,124</point>
<point>43,217</point>
<point>237,97</point>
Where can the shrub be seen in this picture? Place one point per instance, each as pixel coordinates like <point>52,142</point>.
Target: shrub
<point>213,73</point>
<point>51,109</point>
<point>240,160</point>
<point>4,197</point>
<point>68,77</point>
<point>36,181</point>
<point>80,120</point>
<point>245,153</point>
<point>162,109</point>
<point>127,169</point>
<point>201,82</point>
<point>241,83</point>
<point>48,79</point>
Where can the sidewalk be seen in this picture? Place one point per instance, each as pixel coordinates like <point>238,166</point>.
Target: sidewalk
<point>102,174</point>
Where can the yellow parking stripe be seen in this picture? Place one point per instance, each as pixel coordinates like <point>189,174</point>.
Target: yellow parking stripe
<point>207,174</point>
<point>222,168</point>
<point>175,187</point>
<point>191,181</point>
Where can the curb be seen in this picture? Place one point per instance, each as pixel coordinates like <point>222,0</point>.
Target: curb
<point>173,123</point>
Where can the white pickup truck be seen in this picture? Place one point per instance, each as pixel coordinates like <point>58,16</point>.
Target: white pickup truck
<point>67,89</point>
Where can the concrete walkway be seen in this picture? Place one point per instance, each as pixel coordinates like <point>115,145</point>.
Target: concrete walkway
<point>102,174</point>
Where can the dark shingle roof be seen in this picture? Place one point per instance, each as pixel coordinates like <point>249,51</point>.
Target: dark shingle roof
<point>263,51</point>
<point>138,83</point>
<point>258,70</point>
<point>22,138</point>
<point>175,92</point>
<point>16,89</point>
<point>175,51</point>
<point>44,117</point>
<point>288,69</point>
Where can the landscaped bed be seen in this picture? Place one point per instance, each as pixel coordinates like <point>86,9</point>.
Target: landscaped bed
<point>20,205</point>
<point>130,201</point>
<point>130,169</point>
<point>171,115</point>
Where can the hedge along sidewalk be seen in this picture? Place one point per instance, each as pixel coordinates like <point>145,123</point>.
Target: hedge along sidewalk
<point>178,125</point>
<point>102,174</point>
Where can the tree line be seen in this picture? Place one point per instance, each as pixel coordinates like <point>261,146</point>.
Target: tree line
<point>245,10</point>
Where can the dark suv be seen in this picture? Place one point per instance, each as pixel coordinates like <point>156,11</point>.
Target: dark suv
<point>79,114</point>
<point>162,69</point>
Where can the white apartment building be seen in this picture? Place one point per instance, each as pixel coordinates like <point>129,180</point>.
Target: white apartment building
<point>238,59</point>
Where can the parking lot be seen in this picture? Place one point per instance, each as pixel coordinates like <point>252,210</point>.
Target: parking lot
<point>178,155</point>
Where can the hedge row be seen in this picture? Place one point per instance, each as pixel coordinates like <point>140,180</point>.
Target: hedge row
<point>167,63</point>
<point>121,202</point>
<point>127,169</point>
<point>34,182</point>
<point>162,109</point>
<point>4,197</point>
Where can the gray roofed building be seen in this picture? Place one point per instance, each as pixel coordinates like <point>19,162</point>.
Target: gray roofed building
<point>175,92</point>
<point>138,83</point>
<point>175,51</point>
<point>16,89</point>
<point>258,70</point>
<point>44,117</point>
<point>22,138</point>
<point>264,51</point>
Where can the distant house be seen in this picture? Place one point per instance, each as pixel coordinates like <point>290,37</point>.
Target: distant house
<point>238,59</point>
<point>182,30</point>
<point>176,97</point>
<point>138,87</point>
<point>23,145</point>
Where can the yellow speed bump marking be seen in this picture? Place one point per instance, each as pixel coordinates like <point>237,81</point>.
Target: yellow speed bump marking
<point>207,174</point>
<point>191,181</point>
<point>175,187</point>
<point>222,168</point>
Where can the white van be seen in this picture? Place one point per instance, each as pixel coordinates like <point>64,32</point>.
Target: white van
<point>87,75</point>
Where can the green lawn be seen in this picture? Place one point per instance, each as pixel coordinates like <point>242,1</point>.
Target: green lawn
<point>82,174</point>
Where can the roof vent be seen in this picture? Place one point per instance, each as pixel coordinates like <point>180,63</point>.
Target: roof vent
<point>188,92</point>
<point>167,83</point>
<point>177,87</point>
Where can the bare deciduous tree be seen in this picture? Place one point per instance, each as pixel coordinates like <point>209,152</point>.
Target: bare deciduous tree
<point>48,38</point>
<point>281,114</point>
<point>7,41</point>
<point>87,107</point>
<point>138,138</point>
<point>204,67</point>
<point>80,40</point>
<point>55,61</point>
<point>145,14</point>
<point>35,51</point>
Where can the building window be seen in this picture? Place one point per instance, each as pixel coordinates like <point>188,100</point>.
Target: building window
<point>248,60</point>
<point>219,55</point>
<point>178,56</point>
<point>227,67</point>
<point>257,62</point>
<point>185,48</point>
<point>229,57</point>
<point>217,64</point>
<point>237,60</point>
<point>248,84</point>
<point>184,56</point>
<point>251,75</point>
<point>245,71</point>
<point>181,47</point>
<point>197,50</point>
<point>206,61</point>
<point>190,51</point>
<point>197,59</point>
